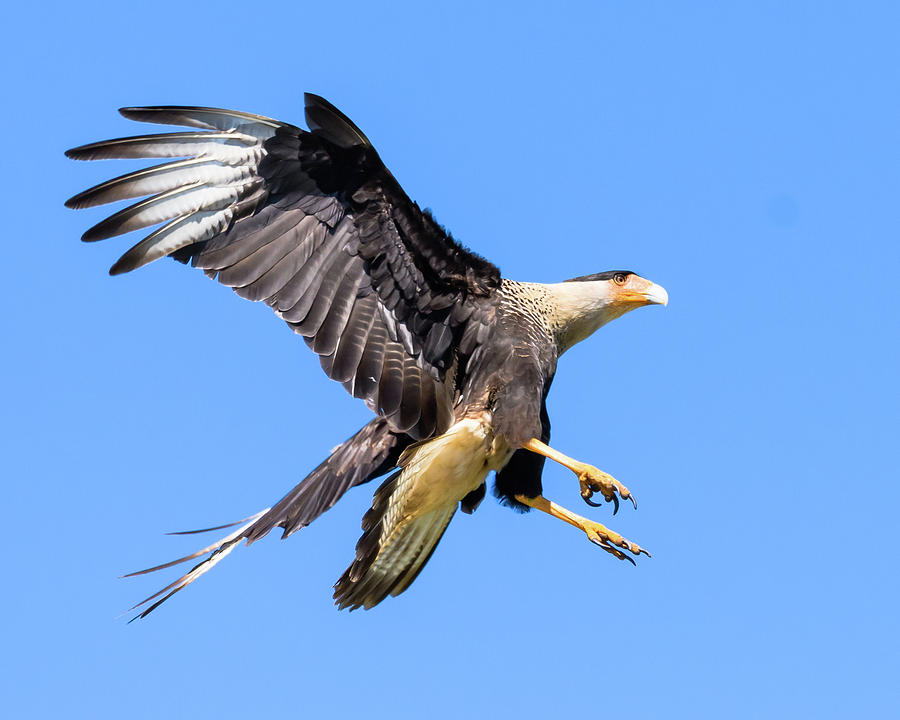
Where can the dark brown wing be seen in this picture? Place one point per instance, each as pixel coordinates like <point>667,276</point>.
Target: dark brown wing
<point>313,224</point>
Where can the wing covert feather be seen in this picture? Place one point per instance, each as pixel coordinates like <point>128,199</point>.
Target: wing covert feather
<point>313,224</point>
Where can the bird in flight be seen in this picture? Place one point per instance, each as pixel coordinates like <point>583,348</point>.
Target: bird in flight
<point>454,360</point>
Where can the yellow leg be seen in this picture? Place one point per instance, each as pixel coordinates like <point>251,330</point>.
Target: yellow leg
<point>590,478</point>
<point>598,534</point>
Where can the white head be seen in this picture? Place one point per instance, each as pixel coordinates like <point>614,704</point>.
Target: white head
<point>584,304</point>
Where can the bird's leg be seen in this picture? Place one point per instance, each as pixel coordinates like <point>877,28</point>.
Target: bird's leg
<point>598,534</point>
<point>590,478</point>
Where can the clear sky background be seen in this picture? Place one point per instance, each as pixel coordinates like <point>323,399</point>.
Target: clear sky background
<point>745,155</point>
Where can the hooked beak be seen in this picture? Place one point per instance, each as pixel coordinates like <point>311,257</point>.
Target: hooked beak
<point>656,295</point>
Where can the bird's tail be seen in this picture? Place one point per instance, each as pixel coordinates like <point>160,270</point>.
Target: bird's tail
<point>410,512</point>
<point>392,551</point>
<point>371,452</point>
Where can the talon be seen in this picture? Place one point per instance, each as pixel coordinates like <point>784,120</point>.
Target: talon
<point>596,481</point>
<point>590,502</point>
<point>617,553</point>
<point>637,549</point>
<point>598,534</point>
<point>602,543</point>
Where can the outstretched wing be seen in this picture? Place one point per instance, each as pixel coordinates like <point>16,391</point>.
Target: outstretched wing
<point>312,223</point>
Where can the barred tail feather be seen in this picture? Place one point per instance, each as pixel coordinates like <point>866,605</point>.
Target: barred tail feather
<point>410,512</point>
<point>389,566</point>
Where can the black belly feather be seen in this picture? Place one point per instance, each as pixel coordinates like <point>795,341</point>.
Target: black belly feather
<point>522,474</point>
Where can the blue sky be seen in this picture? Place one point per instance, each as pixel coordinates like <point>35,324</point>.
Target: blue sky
<point>744,155</point>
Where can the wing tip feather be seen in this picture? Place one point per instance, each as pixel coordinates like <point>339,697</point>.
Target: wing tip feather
<point>133,259</point>
<point>120,267</point>
<point>80,153</point>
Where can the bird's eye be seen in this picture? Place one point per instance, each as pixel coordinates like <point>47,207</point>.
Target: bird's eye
<point>619,278</point>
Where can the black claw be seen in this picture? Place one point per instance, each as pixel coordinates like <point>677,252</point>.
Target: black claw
<point>633,501</point>
<point>629,559</point>
<point>587,499</point>
<point>615,500</point>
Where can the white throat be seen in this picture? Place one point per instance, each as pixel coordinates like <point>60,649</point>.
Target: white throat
<point>580,309</point>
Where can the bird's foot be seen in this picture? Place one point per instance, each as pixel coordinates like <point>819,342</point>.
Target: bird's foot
<point>593,480</point>
<point>611,541</point>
